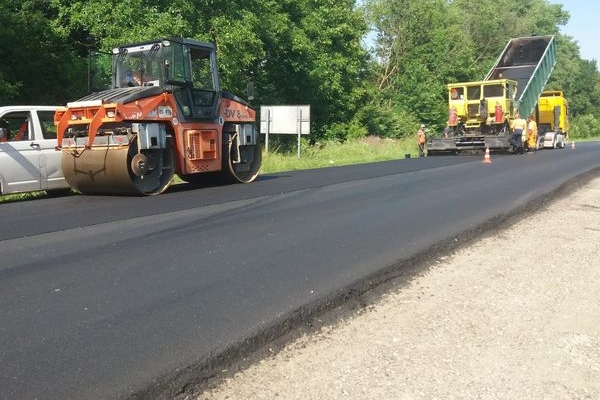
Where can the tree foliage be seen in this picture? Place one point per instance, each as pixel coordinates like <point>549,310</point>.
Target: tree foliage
<point>296,51</point>
<point>422,46</point>
<point>299,52</point>
<point>36,66</point>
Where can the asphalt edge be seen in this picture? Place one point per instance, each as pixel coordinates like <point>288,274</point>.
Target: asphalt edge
<point>188,383</point>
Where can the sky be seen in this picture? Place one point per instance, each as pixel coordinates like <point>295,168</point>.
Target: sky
<point>583,26</point>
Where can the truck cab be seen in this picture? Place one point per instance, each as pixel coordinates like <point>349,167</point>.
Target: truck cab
<point>552,112</point>
<point>484,107</point>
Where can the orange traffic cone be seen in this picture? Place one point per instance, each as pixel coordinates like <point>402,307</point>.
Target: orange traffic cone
<point>486,157</point>
<point>573,145</point>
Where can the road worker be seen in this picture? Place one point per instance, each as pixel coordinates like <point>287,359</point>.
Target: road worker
<point>4,131</point>
<point>23,132</point>
<point>447,130</point>
<point>421,140</point>
<point>532,133</point>
<point>518,127</point>
<point>132,78</point>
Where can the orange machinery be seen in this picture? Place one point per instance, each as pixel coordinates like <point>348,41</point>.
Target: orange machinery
<point>164,114</point>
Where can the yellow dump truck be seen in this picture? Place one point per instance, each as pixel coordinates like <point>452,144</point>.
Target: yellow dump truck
<point>552,114</point>
<point>480,113</point>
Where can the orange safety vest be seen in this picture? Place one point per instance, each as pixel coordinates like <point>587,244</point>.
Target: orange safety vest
<point>452,117</point>
<point>421,136</point>
<point>498,113</point>
<point>532,131</point>
<point>22,131</point>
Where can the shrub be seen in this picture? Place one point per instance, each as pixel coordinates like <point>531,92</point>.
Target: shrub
<point>584,127</point>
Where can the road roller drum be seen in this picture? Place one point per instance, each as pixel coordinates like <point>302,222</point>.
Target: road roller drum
<point>118,170</point>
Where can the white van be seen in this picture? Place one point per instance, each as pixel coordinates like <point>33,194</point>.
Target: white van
<point>28,159</point>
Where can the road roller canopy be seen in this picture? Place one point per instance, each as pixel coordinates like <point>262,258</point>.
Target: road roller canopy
<point>165,63</point>
<point>185,67</point>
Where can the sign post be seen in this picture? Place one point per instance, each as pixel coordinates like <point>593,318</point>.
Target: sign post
<point>284,120</point>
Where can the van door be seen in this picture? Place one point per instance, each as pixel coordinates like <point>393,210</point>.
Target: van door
<point>20,157</point>
<point>50,168</point>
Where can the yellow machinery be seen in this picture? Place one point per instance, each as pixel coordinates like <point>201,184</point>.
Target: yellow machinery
<point>479,116</point>
<point>552,114</point>
<point>481,112</point>
<point>481,108</point>
<point>164,114</point>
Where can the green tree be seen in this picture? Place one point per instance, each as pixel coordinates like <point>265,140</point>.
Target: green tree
<point>422,46</point>
<point>579,79</point>
<point>299,52</point>
<point>296,51</point>
<point>36,67</point>
<point>419,49</point>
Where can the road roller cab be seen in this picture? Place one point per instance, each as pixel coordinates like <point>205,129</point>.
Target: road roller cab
<point>163,114</point>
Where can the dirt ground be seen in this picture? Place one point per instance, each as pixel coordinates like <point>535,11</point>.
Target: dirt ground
<point>488,322</point>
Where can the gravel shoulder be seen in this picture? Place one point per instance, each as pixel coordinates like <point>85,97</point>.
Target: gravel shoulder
<point>515,315</point>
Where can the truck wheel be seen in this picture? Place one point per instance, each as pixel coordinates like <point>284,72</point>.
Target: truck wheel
<point>240,164</point>
<point>151,172</point>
